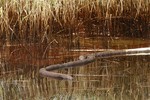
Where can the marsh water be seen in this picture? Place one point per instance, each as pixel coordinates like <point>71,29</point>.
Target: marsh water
<point>114,78</point>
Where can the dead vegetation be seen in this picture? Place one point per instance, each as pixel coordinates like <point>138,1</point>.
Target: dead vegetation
<point>39,20</point>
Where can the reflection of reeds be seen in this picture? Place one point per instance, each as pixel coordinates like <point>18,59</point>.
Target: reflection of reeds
<point>121,78</point>
<point>38,21</point>
<point>30,20</point>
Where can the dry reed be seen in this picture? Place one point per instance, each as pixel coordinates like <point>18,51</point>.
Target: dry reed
<point>25,22</point>
<point>33,20</point>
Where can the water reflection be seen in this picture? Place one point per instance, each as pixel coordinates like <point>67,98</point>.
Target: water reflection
<point>115,78</point>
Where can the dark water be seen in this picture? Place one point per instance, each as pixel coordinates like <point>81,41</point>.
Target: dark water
<point>115,78</point>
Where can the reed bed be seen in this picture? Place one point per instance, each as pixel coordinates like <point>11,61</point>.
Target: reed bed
<point>38,20</point>
<point>31,30</point>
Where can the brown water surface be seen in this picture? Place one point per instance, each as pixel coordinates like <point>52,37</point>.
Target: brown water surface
<point>115,78</point>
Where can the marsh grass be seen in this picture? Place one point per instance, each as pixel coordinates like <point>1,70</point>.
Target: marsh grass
<point>36,20</point>
<point>31,31</point>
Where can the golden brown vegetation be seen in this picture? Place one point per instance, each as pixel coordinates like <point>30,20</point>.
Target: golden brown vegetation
<point>35,24</point>
<point>34,20</point>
